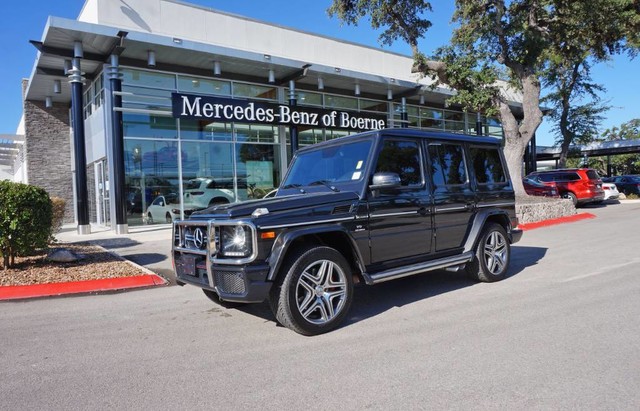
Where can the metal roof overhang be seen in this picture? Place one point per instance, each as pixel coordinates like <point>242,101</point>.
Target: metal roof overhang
<point>189,57</point>
<point>10,145</point>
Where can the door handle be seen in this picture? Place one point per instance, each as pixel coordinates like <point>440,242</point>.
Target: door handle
<point>469,206</point>
<point>424,211</point>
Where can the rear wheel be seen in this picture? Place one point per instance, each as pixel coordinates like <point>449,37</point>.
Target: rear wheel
<point>571,197</point>
<point>316,292</point>
<point>492,255</point>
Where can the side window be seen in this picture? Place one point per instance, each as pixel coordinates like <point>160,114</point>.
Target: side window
<point>447,166</point>
<point>401,157</point>
<point>487,167</point>
<point>546,177</point>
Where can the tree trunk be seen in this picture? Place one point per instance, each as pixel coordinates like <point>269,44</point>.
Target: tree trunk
<point>517,135</point>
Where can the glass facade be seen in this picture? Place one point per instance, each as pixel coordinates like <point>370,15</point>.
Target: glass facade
<point>203,162</point>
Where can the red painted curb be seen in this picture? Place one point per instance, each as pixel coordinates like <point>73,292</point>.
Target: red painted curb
<point>554,221</point>
<point>15,292</point>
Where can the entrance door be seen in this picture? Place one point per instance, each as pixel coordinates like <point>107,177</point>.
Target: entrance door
<point>102,194</point>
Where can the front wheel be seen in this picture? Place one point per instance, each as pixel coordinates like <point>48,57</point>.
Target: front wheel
<point>316,292</point>
<point>492,255</point>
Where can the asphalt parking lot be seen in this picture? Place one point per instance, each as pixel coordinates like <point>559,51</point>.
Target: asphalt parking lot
<point>561,332</point>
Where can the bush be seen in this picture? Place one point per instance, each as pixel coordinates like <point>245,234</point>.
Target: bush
<point>25,220</point>
<point>58,206</point>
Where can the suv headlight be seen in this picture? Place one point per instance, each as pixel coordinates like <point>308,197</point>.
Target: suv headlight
<point>236,241</point>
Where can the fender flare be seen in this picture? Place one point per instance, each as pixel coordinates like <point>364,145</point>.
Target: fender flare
<point>281,246</point>
<point>478,223</point>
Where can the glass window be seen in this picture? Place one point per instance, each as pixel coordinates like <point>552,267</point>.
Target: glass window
<point>374,105</point>
<point>427,112</point>
<point>307,98</point>
<point>487,166</point>
<point>403,158</point>
<point>310,136</point>
<point>447,165</point>
<point>208,174</point>
<point>432,123</point>
<point>140,97</point>
<point>258,168</point>
<point>205,130</point>
<point>148,126</point>
<point>151,79</point>
<point>255,91</point>
<point>331,101</point>
<point>256,133</point>
<point>204,86</point>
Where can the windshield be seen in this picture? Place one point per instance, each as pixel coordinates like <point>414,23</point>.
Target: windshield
<point>334,164</point>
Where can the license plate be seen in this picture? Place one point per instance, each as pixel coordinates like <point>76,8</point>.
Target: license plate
<point>188,262</point>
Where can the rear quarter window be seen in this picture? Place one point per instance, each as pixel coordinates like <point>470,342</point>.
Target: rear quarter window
<point>488,167</point>
<point>592,175</point>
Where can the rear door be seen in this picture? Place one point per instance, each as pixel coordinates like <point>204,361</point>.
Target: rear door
<point>454,200</point>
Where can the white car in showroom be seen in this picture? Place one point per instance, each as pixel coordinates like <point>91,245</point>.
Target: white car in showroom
<point>206,192</point>
<point>166,209</point>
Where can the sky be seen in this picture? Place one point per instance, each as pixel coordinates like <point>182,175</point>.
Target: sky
<point>25,20</point>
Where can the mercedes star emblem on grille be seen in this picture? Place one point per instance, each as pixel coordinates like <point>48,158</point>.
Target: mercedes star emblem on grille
<point>198,238</point>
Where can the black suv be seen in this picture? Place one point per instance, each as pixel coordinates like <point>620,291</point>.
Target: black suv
<point>366,208</point>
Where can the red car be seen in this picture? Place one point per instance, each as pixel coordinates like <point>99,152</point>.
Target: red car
<point>535,188</point>
<point>580,185</point>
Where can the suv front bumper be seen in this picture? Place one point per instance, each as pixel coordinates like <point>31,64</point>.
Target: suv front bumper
<point>242,284</point>
<point>516,235</point>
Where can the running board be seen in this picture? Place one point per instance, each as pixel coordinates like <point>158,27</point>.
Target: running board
<point>400,272</point>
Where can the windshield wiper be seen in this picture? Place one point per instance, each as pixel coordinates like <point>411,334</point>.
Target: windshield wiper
<point>326,184</point>
<point>295,185</point>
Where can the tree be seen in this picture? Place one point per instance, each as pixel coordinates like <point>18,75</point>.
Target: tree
<point>573,123</point>
<point>624,163</point>
<point>502,39</point>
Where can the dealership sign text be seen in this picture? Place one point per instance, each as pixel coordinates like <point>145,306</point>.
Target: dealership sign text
<point>195,107</point>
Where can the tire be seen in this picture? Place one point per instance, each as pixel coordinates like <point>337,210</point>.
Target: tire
<point>213,296</point>
<point>168,218</point>
<point>571,197</point>
<point>149,218</point>
<point>314,292</point>
<point>492,255</point>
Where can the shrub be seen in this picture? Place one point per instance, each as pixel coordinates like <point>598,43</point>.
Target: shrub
<point>58,206</point>
<point>25,220</point>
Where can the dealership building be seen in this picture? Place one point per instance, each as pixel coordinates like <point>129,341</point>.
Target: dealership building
<point>147,99</point>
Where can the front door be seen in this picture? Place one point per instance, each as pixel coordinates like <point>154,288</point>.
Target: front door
<point>400,219</point>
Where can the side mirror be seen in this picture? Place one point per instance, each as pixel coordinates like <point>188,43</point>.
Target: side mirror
<point>385,180</point>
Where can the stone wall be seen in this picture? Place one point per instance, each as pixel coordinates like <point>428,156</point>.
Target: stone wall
<point>48,151</point>
<point>534,209</point>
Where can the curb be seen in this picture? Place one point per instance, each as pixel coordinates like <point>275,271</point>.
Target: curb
<point>19,292</point>
<point>555,221</point>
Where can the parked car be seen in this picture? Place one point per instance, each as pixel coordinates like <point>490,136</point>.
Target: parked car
<point>535,188</point>
<point>166,208</point>
<point>357,208</point>
<point>205,192</point>
<point>610,191</point>
<point>628,184</point>
<point>580,185</point>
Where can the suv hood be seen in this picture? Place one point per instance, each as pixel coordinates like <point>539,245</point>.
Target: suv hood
<point>275,204</point>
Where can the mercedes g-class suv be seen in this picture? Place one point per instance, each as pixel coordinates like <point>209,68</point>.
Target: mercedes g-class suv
<point>366,208</point>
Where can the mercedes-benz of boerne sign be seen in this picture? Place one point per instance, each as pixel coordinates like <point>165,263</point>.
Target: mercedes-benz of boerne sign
<point>197,107</point>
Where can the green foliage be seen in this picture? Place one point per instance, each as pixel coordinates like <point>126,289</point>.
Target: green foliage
<point>25,220</point>
<point>624,163</point>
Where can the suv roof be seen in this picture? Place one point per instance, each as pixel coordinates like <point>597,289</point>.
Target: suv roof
<point>407,132</point>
